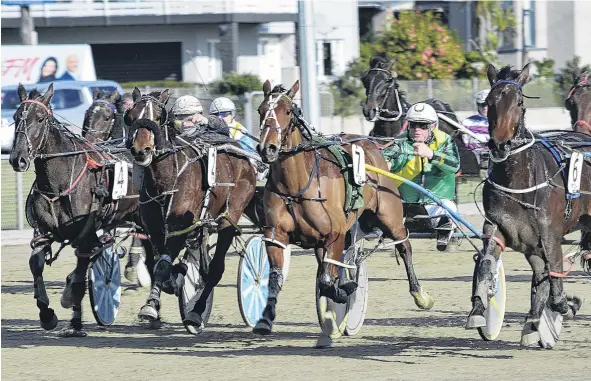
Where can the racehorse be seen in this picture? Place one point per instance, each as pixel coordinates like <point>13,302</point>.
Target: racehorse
<point>578,103</point>
<point>386,105</point>
<point>173,198</point>
<point>527,207</point>
<point>69,201</point>
<point>104,117</point>
<point>305,196</point>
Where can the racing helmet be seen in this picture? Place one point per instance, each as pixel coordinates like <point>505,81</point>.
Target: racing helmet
<point>187,105</point>
<point>222,105</point>
<point>481,100</point>
<point>422,114</point>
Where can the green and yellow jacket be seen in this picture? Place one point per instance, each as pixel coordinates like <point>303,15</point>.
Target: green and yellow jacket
<point>436,175</point>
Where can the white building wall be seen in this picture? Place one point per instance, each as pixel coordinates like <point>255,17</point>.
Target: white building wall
<point>582,30</point>
<point>561,46</point>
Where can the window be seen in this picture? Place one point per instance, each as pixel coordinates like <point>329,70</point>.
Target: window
<point>107,89</point>
<point>10,100</point>
<point>62,99</point>
<point>327,58</point>
<point>529,24</point>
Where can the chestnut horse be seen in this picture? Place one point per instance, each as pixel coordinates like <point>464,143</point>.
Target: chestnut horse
<point>304,202</point>
<point>527,207</point>
<point>173,198</point>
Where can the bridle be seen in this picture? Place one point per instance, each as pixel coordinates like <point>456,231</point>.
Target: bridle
<point>148,113</point>
<point>273,102</point>
<point>584,83</point>
<point>381,108</point>
<point>96,105</point>
<point>521,129</point>
<point>21,128</point>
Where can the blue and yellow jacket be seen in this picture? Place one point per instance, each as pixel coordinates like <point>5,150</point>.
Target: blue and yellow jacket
<point>436,175</point>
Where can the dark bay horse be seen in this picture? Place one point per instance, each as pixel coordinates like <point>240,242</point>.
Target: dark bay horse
<point>304,202</point>
<point>526,205</point>
<point>386,105</point>
<point>578,103</point>
<point>69,201</point>
<point>174,198</point>
<point>104,118</point>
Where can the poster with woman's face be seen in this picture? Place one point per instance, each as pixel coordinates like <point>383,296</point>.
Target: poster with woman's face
<point>46,63</point>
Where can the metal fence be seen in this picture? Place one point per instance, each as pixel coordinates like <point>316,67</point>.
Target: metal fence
<point>15,189</point>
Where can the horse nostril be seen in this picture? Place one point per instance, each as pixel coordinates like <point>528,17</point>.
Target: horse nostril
<point>23,163</point>
<point>272,148</point>
<point>147,150</point>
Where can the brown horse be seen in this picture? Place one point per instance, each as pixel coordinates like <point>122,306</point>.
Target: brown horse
<point>578,103</point>
<point>304,202</point>
<point>173,199</point>
<point>527,207</point>
<point>69,201</point>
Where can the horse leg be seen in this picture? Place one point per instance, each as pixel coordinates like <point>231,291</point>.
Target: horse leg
<point>540,292</point>
<point>422,298</point>
<point>74,292</point>
<point>585,248</point>
<point>275,254</point>
<point>47,316</point>
<point>212,277</point>
<point>568,306</point>
<point>483,278</point>
<point>330,283</point>
<point>166,277</point>
<point>135,252</point>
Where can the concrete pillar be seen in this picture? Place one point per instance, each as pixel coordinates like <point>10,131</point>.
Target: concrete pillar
<point>229,46</point>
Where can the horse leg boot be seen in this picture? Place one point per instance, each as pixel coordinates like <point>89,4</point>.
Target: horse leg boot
<point>211,276</point>
<point>275,253</point>
<point>422,298</point>
<point>540,292</point>
<point>162,273</point>
<point>135,270</point>
<point>482,283</point>
<point>331,285</point>
<point>47,316</point>
<point>77,289</point>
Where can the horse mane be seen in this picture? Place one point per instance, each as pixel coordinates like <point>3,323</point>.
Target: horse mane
<point>581,77</point>
<point>508,73</point>
<point>279,89</point>
<point>378,62</point>
<point>34,94</point>
<point>149,125</point>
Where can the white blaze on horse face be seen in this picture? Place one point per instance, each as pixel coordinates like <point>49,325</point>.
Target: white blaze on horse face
<point>270,114</point>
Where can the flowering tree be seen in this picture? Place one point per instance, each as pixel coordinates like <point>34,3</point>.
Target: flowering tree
<point>422,46</point>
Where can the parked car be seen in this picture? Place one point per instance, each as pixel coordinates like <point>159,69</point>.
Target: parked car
<point>70,100</point>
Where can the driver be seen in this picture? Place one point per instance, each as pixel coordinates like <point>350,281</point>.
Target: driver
<point>428,157</point>
<point>190,121</point>
<point>478,123</point>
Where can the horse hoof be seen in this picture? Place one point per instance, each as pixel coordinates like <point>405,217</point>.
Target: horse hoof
<point>131,274</point>
<point>263,327</point>
<point>71,332</point>
<point>48,323</point>
<point>148,312</point>
<point>348,286</point>
<point>423,299</point>
<point>194,319</point>
<point>529,335</point>
<point>574,305</point>
<point>324,341</point>
<point>475,321</point>
<point>549,327</point>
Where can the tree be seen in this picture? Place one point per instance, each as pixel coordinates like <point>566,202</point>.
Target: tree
<point>544,68</point>
<point>237,84</point>
<point>348,91</point>
<point>421,45</point>
<point>496,24</point>
<point>566,77</point>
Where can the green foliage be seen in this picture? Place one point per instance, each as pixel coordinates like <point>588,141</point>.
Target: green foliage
<point>544,68</point>
<point>421,45</point>
<point>497,23</point>
<point>157,84</point>
<point>348,90</point>
<point>567,76</point>
<point>236,84</point>
<point>473,66</point>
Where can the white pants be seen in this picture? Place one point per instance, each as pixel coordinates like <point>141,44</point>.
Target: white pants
<point>436,210</point>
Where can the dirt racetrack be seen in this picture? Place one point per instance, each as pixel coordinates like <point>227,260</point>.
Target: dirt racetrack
<point>397,342</point>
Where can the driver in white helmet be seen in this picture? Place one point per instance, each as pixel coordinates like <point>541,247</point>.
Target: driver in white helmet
<point>225,109</point>
<point>188,118</point>
<point>428,157</point>
<point>478,124</point>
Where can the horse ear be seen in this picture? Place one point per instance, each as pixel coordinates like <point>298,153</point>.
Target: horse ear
<point>523,77</point>
<point>266,87</point>
<point>294,89</point>
<point>95,93</point>
<point>114,97</point>
<point>390,64</point>
<point>48,94</point>
<point>164,96</point>
<point>136,94</point>
<point>22,92</point>
<point>492,74</point>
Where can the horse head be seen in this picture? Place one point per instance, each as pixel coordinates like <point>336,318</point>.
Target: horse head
<point>275,119</point>
<point>578,103</point>
<point>506,110</point>
<point>102,115</point>
<point>32,119</point>
<point>146,138</point>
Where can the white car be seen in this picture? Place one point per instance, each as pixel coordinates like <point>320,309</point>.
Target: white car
<point>70,101</point>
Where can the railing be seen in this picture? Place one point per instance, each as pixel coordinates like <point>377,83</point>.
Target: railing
<point>106,8</point>
<point>15,189</point>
